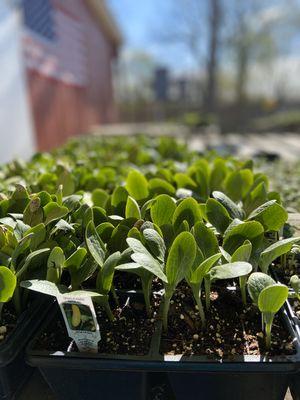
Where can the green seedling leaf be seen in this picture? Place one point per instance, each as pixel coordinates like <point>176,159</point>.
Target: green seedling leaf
<point>160,186</point>
<point>203,269</point>
<point>74,264</point>
<point>274,251</point>
<point>8,282</point>
<point>129,267</point>
<point>72,202</point>
<point>187,210</point>
<point>132,209</point>
<point>145,259</point>
<point>94,244</point>
<point>67,182</point>
<point>137,185</point>
<point>20,249</point>
<point>81,293</point>
<point>183,193</point>
<point>87,269</point>
<point>206,240</point>
<point>97,214</point>
<point>271,215</point>
<point>100,198</point>
<point>53,211</point>
<point>135,233</point>
<point>242,253</point>
<point>44,286</point>
<point>184,181</point>
<point>255,198</point>
<point>217,215</point>
<point>230,271</point>
<point>155,243</point>
<point>162,209</point>
<point>256,283</point>
<point>51,289</point>
<point>106,273</point>
<point>272,298</point>
<point>225,255</point>
<point>201,178</point>
<point>119,196</point>
<point>274,196</point>
<point>19,199</point>
<point>59,195</point>
<point>180,259</point>
<point>233,210</point>
<point>238,184</point>
<point>62,226</point>
<point>33,213</point>
<point>44,197</point>
<point>218,174</point>
<point>105,230</point>
<point>117,241</point>
<point>75,260</point>
<point>145,207</point>
<point>37,234</point>
<point>55,265</point>
<point>20,230</point>
<point>295,284</point>
<point>236,235</point>
<point>31,259</point>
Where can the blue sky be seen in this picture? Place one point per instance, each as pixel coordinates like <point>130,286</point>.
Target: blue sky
<point>142,20</point>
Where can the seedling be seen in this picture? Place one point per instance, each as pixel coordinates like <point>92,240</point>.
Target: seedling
<point>295,284</point>
<point>179,261</point>
<point>146,264</point>
<point>233,270</point>
<point>269,296</point>
<point>242,253</point>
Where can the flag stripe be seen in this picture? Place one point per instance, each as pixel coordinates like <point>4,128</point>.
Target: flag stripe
<point>55,47</point>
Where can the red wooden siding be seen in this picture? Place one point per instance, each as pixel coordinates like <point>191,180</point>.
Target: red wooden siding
<point>61,110</point>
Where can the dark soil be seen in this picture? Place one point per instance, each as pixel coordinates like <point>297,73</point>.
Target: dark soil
<point>8,321</point>
<point>284,273</point>
<point>231,328</point>
<point>295,303</point>
<point>129,334</point>
<point>126,281</point>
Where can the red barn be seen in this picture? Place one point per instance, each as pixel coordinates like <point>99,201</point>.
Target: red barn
<point>68,50</point>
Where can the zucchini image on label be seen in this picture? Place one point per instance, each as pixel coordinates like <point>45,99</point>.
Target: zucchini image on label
<point>81,322</point>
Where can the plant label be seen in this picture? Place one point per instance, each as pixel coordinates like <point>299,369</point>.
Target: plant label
<point>81,322</point>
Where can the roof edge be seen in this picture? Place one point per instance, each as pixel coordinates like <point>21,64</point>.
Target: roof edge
<point>106,20</point>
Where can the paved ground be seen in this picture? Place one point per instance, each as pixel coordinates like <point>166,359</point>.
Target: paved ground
<point>285,144</point>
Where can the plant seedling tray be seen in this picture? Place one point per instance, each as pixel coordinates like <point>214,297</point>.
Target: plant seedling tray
<point>294,383</point>
<point>73,375</point>
<point>14,371</point>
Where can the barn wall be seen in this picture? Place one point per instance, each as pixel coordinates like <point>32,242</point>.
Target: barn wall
<point>62,110</point>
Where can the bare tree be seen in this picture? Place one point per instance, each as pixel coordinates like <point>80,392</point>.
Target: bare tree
<point>215,18</point>
<point>186,27</point>
<point>256,36</point>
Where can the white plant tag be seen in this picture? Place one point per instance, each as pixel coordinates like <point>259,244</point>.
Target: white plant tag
<point>77,309</point>
<point>81,321</point>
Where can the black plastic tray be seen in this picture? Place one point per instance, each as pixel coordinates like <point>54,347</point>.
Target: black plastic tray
<point>76,376</point>
<point>14,371</point>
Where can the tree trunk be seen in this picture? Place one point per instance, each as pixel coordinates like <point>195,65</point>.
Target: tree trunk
<point>213,50</point>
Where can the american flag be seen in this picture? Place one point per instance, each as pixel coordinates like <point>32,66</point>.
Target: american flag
<point>54,42</point>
